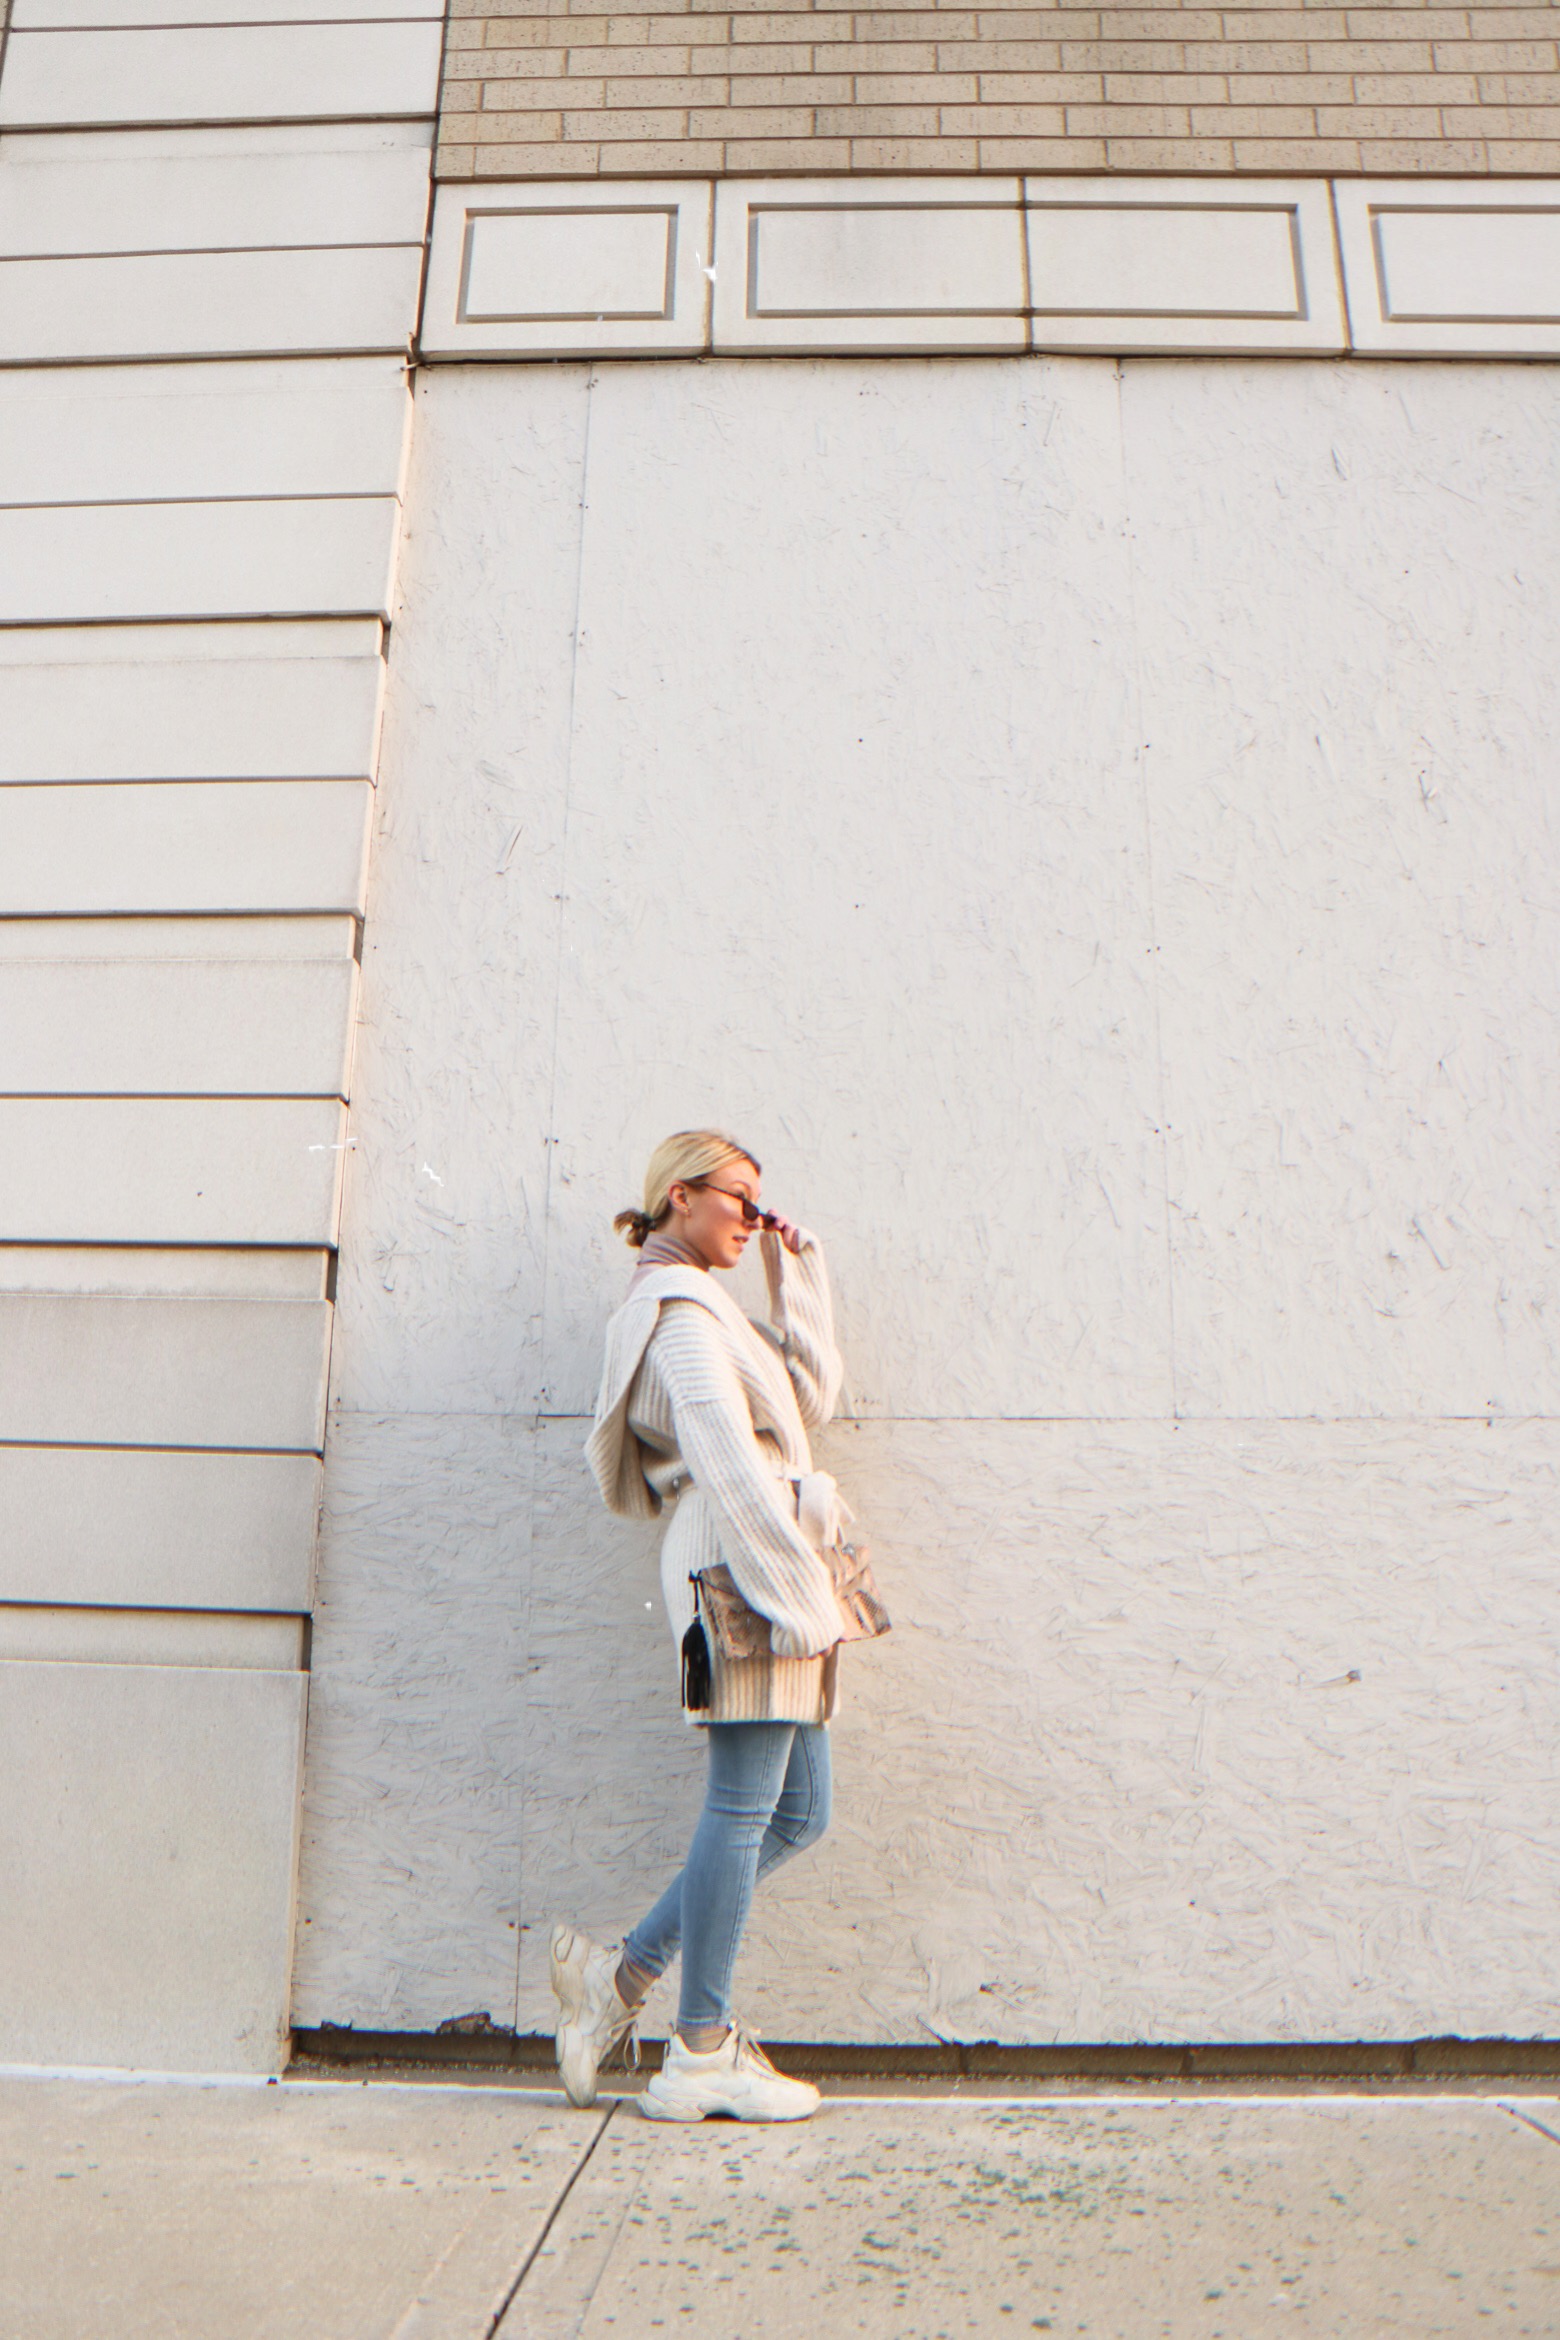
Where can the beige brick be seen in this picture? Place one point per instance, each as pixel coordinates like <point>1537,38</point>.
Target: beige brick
<point>617,63</point>
<point>530,159</point>
<point>877,121</point>
<point>752,122</point>
<point>913,154</point>
<point>1518,89</point>
<point>1497,56</point>
<point>779,155</point>
<point>462,37</point>
<point>1160,24</point>
<point>1370,57</point>
<point>915,89</point>
<point>1129,121</point>
<point>1378,122</point>
<point>1006,121</point>
<point>1509,24</point>
<point>1253,122</point>
<point>524,65</point>
<point>1128,56</point>
<point>454,162</point>
<point>1015,89</point>
<point>539,97</point>
<point>1525,155</point>
<point>1002,56</point>
<point>884,57</point>
<point>1416,89</point>
<point>1305,157</point>
<point>1168,154</point>
<point>625,122</point>
<point>531,32</point>
<point>814,30</point>
<point>1423,158</point>
<point>1290,89</point>
<point>916,24</point>
<point>673,90</point>
<point>1026,24</point>
<point>1502,121</point>
<point>791,89</point>
<point>455,126</point>
<point>1395,24</point>
<point>661,158</point>
<point>1165,89</point>
<point>1042,154</point>
<point>1286,24</point>
<point>764,57</point>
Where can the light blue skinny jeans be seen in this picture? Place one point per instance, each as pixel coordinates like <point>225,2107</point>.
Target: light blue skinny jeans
<point>768,1797</point>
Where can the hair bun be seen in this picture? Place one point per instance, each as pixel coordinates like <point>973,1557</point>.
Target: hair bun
<point>633,1226</point>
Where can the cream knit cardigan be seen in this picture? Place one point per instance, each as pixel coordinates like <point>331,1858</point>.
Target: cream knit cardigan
<point>702,1406</point>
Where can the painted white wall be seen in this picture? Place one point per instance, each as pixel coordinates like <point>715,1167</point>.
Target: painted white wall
<point>1088,828</point>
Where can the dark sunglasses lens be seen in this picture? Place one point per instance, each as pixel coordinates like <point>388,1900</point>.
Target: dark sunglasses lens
<point>752,1216</point>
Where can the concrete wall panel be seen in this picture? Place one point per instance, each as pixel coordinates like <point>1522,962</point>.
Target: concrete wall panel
<point>1361,1068</point>
<point>113,1025</point>
<point>185,846</point>
<point>1086,826</point>
<point>134,1372</point>
<point>170,1169</point>
<point>1183,1732</point>
<point>222,73</point>
<point>315,556</point>
<point>272,1273</point>
<point>205,304</point>
<point>147,1837</point>
<point>50,15</point>
<point>129,1528</point>
<point>83,191</point>
<point>266,702</point>
<point>300,427</point>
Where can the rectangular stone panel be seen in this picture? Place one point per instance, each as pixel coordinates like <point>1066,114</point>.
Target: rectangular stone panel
<point>190,702</point>
<point>311,556</point>
<point>88,1370</point>
<point>208,304</point>
<point>147,1837</point>
<point>45,1632</point>
<point>1438,267</point>
<point>1234,265</point>
<point>520,270</point>
<point>77,78</point>
<point>116,1025</point>
<point>170,1169</point>
<point>184,846</point>
<point>260,1272</point>
<point>146,1528</point>
<point>268,184</point>
<point>849,264</point>
<point>289,427</point>
<point>50,15</point>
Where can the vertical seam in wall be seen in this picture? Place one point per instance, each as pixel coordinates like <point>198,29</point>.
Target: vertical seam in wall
<point>550,1136</point>
<point>1140,757</point>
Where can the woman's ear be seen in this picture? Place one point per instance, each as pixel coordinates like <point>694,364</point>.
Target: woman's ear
<point>677,1196</point>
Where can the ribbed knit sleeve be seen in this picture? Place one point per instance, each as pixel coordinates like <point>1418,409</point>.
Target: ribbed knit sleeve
<point>776,1571</point>
<point>801,1309</point>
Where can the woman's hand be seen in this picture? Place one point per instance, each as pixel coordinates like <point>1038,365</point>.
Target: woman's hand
<point>789,1235</point>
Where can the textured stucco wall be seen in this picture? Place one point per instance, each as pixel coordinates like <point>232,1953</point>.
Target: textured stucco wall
<point>1090,826</point>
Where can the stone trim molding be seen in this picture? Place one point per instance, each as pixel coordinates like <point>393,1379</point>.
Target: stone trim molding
<point>918,266</point>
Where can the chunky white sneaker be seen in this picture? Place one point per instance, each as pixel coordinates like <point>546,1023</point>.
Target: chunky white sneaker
<point>736,2079</point>
<point>592,2019</point>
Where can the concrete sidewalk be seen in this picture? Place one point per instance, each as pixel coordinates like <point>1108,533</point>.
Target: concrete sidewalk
<point>342,2210</point>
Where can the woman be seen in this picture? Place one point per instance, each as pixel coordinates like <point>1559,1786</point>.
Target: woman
<point>701,1405</point>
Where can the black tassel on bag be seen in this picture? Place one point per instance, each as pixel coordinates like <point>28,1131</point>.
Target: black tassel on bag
<point>695,1668</point>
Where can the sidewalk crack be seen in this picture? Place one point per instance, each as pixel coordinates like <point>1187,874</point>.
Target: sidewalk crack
<point>1529,2122</point>
<point>535,2251</point>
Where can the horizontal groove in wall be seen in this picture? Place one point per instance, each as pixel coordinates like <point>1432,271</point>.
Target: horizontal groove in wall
<point>48,1634</point>
<point>240,1272</point>
<point>472,2042</point>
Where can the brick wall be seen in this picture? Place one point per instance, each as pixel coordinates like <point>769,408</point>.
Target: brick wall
<point>559,89</point>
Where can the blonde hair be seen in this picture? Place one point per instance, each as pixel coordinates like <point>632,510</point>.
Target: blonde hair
<point>682,1159</point>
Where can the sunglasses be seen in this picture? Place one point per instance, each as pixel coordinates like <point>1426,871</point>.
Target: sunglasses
<point>753,1215</point>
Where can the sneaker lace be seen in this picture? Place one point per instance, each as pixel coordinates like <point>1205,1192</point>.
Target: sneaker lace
<point>749,2052</point>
